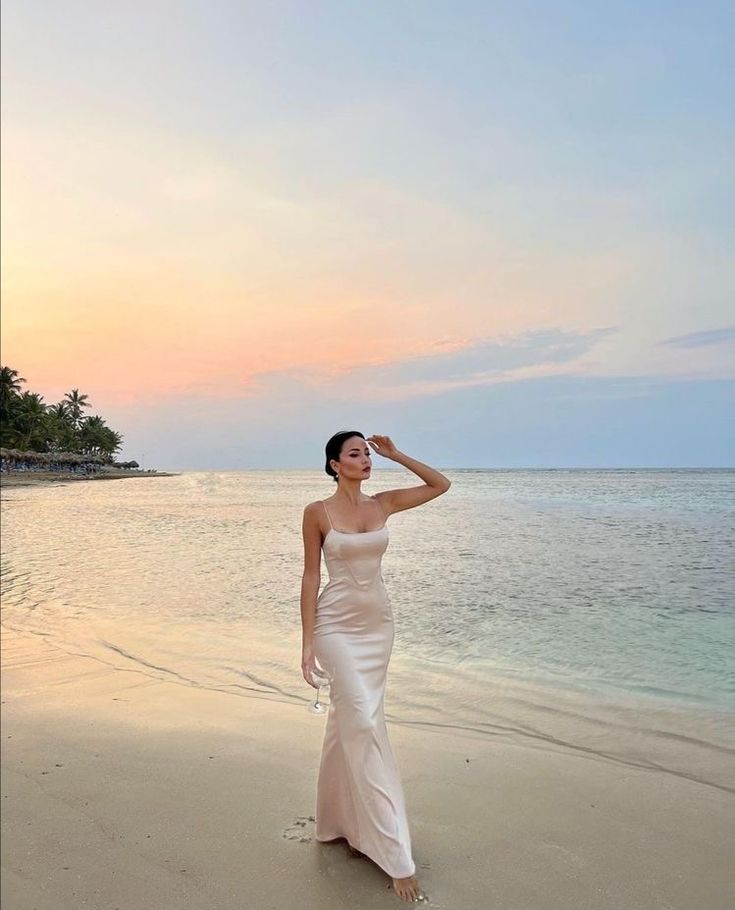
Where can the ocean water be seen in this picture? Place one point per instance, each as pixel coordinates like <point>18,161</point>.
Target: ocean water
<point>520,597</point>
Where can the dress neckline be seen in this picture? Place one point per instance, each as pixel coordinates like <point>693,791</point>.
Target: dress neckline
<point>374,530</point>
<point>337,530</point>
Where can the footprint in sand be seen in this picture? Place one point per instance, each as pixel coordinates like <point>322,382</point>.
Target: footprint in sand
<point>297,831</point>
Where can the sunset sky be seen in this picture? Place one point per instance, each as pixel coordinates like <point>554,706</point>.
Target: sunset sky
<point>501,233</point>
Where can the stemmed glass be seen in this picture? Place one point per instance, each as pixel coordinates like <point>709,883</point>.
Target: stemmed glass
<point>322,679</point>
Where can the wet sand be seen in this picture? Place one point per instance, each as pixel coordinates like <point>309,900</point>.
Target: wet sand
<point>124,791</point>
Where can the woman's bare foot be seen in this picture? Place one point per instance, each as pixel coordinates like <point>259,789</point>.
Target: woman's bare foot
<point>408,888</point>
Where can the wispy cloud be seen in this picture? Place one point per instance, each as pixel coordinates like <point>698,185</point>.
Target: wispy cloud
<point>448,365</point>
<point>700,339</point>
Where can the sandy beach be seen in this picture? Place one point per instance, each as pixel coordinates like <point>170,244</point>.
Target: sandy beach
<point>123,791</point>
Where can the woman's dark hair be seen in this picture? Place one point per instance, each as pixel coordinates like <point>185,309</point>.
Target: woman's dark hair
<point>334,447</point>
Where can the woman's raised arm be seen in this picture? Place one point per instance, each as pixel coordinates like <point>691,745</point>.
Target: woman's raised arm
<point>435,483</point>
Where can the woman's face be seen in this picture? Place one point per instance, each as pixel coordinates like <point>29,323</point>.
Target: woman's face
<point>354,459</point>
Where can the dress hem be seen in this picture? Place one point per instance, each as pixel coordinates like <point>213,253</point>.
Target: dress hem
<point>324,839</point>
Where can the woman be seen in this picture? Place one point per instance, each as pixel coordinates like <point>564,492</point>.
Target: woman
<point>348,629</point>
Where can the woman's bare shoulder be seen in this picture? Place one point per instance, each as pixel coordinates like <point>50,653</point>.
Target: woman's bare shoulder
<point>313,506</point>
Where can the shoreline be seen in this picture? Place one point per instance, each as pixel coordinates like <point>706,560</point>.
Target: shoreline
<point>125,790</point>
<point>38,478</point>
<point>689,741</point>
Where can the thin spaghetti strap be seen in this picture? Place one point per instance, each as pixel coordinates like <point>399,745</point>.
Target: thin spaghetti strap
<point>327,511</point>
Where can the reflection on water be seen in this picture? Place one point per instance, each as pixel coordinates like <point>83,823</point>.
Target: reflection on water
<point>608,586</point>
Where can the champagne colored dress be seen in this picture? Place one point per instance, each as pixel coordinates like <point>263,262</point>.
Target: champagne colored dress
<point>359,790</point>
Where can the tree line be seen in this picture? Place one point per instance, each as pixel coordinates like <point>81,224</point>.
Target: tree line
<point>28,424</point>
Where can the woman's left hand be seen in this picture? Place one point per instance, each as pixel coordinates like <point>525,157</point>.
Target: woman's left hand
<point>383,445</point>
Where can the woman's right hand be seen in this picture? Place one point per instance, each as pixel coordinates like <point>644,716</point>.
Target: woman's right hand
<point>309,666</point>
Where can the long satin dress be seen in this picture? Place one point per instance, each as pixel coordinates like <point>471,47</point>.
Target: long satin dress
<point>359,790</point>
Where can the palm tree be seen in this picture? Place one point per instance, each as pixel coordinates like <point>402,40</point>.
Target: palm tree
<point>62,435</point>
<point>31,422</point>
<point>114,441</point>
<point>76,403</point>
<point>10,383</point>
<point>97,438</point>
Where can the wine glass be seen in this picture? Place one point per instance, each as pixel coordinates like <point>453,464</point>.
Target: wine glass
<point>322,679</point>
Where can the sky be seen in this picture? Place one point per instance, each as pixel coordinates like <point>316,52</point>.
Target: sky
<point>500,233</point>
